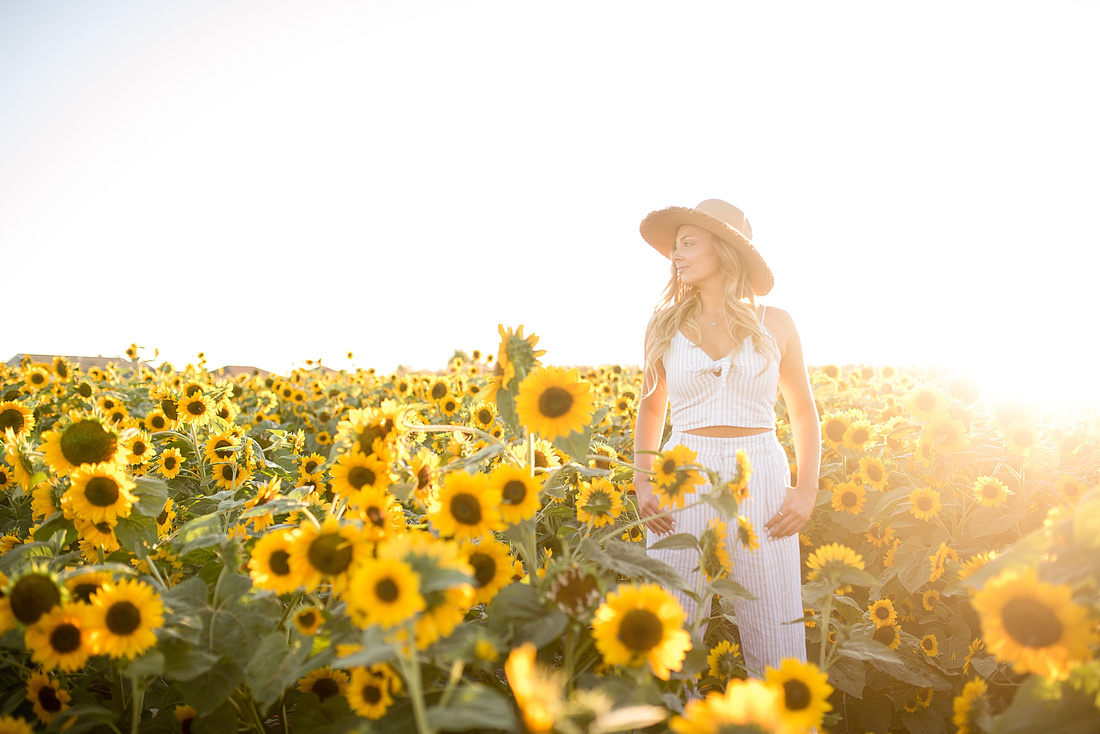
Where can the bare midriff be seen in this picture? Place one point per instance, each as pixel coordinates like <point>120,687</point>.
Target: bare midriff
<point>727,431</point>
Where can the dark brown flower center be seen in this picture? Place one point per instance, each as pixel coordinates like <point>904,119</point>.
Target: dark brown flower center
<point>65,638</point>
<point>1031,623</point>
<point>885,635</point>
<point>924,503</point>
<point>279,562</point>
<point>640,630</point>
<point>220,449</point>
<point>555,402</point>
<point>849,499</point>
<point>514,492</point>
<point>32,596</point>
<point>835,431</point>
<point>387,591</point>
<point>484,416</point>
<point>371,693</point>
<point>926,401</point>
<point>123,618</point>
<point>48,700</point>
<point>169,462</point>
<point>439,391</point>
<point>798,695</point>
<point>361,476</point>
<point>88,442</point>
<point>466,509</point>
<point>11,418</point>
<point>101,491</point>
<point>196,407</point>
<point>485,568</point>
<point>325,687</point>
<point>330,554</point>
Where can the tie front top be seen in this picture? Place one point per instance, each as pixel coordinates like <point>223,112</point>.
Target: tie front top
<point>737,390</point>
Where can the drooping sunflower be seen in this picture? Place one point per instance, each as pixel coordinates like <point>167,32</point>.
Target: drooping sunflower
<point>746,534</point>
<point>882,613</point>
<point>99,493</point>
<point>849,497</point>
<point>123,618</point>
<point>537,690</point>
<point>324,682</point>
<point>368,693</point>
<point>938,561</point>
<point>925,503</point>
<point>47,696</point>
<point>889,635</point>
<point>599,502</point>
<point>17,417</point>
<point>968,707</point>
<point>329,551</point>
<point>724,660</point>
<point>806,692</point>
<point>80,440</point>
<point>831,561</point>
<point>672,480</point>
<point>493,566</point>
<point>714,554</point>
<point>466,507</point>
<point>1034,625</point>
<point>269,565</point>
<point>29,595</point>
<point>640,624</point>
<point>61,638</point>
<point>519,492</point>
<point>554,402</point>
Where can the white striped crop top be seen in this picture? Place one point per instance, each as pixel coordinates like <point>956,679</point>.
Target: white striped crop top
<point>738,390</point>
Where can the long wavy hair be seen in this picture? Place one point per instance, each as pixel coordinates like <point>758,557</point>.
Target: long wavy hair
<point>679,308</point>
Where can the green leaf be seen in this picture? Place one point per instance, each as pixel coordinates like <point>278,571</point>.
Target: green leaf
<point>677,541</point>
<point>575,444</point>
<point>208,691</point>
<point>136,534</point>
<point>730,589</point>
<point>474,707</point>
<point>1048,706</point>
<point>152,494</point>
<point>911,561</point>
<point>201,532</point>
<point>724,502</point>
<point>848,675</point>
<point>185,662</point>
<point>57,523</point>
<point>517,613</point>
<point>274,666</point>
<point>867,649</point>
<point>630,560</point>
<point>149,663</point>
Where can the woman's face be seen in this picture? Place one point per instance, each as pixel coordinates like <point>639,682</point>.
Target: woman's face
<point>694,256</point>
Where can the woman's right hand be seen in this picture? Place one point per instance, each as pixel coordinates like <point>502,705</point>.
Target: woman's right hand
<point>650,510</point>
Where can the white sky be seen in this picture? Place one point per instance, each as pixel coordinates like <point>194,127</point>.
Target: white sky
<point>276,181</point>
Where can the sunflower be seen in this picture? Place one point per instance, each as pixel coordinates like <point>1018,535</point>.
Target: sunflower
<point>492,563</point>
<point>309,620</point>
<point>672,481</point>
<point>170,463</point>
<point>328,551</point>
<point>36,378</point>
<point>16,417</point>
<point>938,561</point>
<point>1021,438</point>
<point>123,616</point>
<point>873,473</point>
<point>968,707</point>
<point>835,425</point>
<point>574,590</point>
<point>1034,625</point>
<point>185,714</point>
<point>929,599</point>
<point>325,682</point>
<point>221,446</point>
<point>99,493</point>
<point>196,408</point>
<point>747,706</point>
<point>230,475</point>
<point>48,697</point>
<point>925,503</point>
<point>974,562</point>
<point>466,507</point>
<point>831,561</point>
<point>1070,488</point>
<point>83,585</point>
<point>30,594</point>
<point>537,690</point>
<point>483,415</point>
<point>640,624</point>
<point>61,638</point>
<point>423,469</point>
<point>80,440</point>
<point>355,471</point>
<point>882,613</point>
<point>926,402</point>
<point>976,646</point>
<point>519,492</point>
<point>929,645</point>
<point>309,468</point>
<point>7,478</point>
<point>97,534</point>
<point>269,565</point>
<point>368,693</point>
<point>880,536</point>
<point>806,692</point>
<point>724,660</point>
<point>990,491</point>
<point>554,402</point>
<point>849,497</point>
<point>746,534</point>
<point>714,554</point>
<point>380,512</point>
<point>599,502</point>
<point>858,435</point>
<point>14,725</point>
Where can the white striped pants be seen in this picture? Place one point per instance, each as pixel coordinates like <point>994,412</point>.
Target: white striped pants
<point>772,573</point>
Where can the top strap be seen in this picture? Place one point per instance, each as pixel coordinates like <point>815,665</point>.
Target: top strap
<point>763,310</point>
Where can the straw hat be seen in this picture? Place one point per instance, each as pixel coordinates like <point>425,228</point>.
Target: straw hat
<point>719,218</point>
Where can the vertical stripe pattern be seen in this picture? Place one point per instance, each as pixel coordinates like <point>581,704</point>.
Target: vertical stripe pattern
<point>771,625</point>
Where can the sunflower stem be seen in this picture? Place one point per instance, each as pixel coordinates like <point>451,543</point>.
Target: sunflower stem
<point>826,616</point>
<point>457,667</point>
<point>137,701</point>
<point>410,665</point>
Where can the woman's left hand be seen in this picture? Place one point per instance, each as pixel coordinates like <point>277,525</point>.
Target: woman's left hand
<point>793,515</point>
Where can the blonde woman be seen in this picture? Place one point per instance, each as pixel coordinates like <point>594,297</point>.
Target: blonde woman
<point>719,360</point>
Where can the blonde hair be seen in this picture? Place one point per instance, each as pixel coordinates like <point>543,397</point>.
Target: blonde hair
<point>679,306</point>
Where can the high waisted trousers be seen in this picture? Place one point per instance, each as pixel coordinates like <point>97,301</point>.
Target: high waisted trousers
<point>770,625</point>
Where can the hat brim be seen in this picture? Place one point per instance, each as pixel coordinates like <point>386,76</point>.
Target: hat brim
<point>659,230</point>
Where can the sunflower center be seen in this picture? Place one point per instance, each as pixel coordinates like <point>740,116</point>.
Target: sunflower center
<point>11,418</point>
<point>101,491</point>
<point>196,407</point>
<point>926,401</point>
<point>371,694</point>
<point>669,466</point>
<point>169,462</point>
<point>439,391</point>
<point>306,618</point>
<point>835,431</point>
<point>162,517</point>
<point>85,390</point>
<point>376,517</point>
<point>123,618</point>
<point>882,612</point>
<point>466,509</point>
<point>48,700</point>
<point>387,591</point>
<point>279,561</point>
<point>797,694</point>
<point>874,473</point>
<point>3,478</point>
<point>423,477</point>
<point>325,687</point>
<point>87,442</point>
<point>554,402</point>
<point>885,635</point>
<point>860,435</point>
<point>330,554</point>
<point>65,638</point>
<point>168,405</point>
<point>924,504</point>
<point>514,492</point>
<point>361,476</point>
<point>849,499</point>
<point>310,467</point>
<point>640,630</point>
<point>485,568</point>
<point>84,592</point>
<point>1031,623</point>
<point>484,416</point>
<point>32,596</point>
<point>229,471</point>
<point>220,449</point>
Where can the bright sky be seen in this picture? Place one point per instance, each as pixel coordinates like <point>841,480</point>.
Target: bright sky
<point>275,181</point>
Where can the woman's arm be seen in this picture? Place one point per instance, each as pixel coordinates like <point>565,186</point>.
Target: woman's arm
<point>649,427</point>
<point>794,383</point>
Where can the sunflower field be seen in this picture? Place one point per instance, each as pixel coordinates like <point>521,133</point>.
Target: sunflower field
<point>460,551</point>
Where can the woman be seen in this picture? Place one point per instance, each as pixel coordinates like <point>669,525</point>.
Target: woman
<point>720,360</point>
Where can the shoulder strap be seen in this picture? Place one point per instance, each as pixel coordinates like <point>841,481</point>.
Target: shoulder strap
<point>763,310</point>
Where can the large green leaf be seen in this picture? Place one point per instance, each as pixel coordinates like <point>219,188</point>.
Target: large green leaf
<point>152,494</point>
<point>474,707</point>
